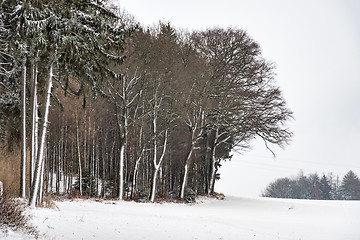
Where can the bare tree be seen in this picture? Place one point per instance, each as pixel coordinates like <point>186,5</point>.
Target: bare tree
<point>245,103</point>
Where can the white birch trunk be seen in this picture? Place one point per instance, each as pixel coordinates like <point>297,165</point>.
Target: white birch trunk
<point>213,171</point>
<point>186,172</point>
<point>157,167</point>
<point>215,160</point>
<point>121,172</point>
<point>193,124</point>
<point>78,150</point>
<point>153,188</point>
<point>41,189</point>
<point>40,158</point>
<point>137,163</point>
<point>23,130</point>
<point>1,189</point>
<point>34,123</point>
<point>213,163</point>
<point>124,128</point>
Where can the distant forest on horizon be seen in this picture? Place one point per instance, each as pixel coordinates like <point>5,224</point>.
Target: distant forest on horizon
<point>312,186</point>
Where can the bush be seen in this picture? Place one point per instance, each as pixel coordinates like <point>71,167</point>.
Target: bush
<point>142,194</point>
<point>13,217</point>
<point>88,184</point>
<point>189,195</point>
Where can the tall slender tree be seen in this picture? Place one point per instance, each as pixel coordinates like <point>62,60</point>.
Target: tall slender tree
<point>75,33</point>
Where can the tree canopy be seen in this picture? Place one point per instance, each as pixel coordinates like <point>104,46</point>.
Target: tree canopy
<point>173,104</point>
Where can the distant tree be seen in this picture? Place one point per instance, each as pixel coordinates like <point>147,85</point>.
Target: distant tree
<point>350,187</point>
<point>325,188</point>
<point>302,187</point>
<point>315,186</point>
<point>312,187</point>
<point>335,186</point>
<point>280,188</point>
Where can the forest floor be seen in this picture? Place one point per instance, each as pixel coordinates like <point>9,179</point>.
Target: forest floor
<point>232,218</point>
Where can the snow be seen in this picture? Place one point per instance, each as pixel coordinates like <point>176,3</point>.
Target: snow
<point>232,218</point>
<point>1,189</point>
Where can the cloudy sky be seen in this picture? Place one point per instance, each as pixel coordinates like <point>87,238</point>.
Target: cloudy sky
<point>316,47</point>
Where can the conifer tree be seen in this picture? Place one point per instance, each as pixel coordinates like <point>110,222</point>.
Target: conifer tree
<point>82,38</point>
<point>350,186</point>
<point>325,188</point>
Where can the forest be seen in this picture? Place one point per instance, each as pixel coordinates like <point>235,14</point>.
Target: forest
<point>327,187</point>
<point>94,104</point>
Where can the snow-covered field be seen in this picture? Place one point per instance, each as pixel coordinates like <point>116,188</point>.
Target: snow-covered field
<point>232,218</point>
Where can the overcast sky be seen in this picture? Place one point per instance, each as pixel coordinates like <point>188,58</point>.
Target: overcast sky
<point>316,47</point>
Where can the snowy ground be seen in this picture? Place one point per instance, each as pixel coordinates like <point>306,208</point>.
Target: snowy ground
<point>232,218</point>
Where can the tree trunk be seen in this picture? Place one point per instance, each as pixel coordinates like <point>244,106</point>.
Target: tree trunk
<point>78,150</point>
<point>41,189</point>
<point>186,172</point>
<point>137,163</point>
<point>23,131</point>
<point>157,166</point>
<point>213,171</point>
<point>121,171</point>
<point>34,122</point>
<point>153,188</point>
<point>213,163</point>
<point>40,158</point>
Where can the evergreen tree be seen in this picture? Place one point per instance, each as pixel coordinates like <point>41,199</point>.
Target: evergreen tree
<point>325,188</point>
<point>23,21</point>
<point>82,38</point>
<point>350,187</point>
<point>315,182</point>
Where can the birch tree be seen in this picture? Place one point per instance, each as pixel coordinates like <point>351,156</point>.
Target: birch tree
<point>124,97</point>
<point>23,129</point>
<point>23,22</point>
<point>40,156</point>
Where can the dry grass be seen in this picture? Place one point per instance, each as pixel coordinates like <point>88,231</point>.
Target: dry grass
<point>49,202</point>
<point>10,171</point>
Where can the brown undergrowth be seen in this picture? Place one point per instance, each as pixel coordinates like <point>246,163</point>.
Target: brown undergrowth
<point>10,170</point>
<point>13,217</point>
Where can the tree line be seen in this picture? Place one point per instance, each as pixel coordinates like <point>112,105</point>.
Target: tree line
<point>129,111</point>
<point>327,187</point>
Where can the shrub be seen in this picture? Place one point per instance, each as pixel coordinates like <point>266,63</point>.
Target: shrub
<point>88,184</point>
<point>13,216</point>
<point>189,195</point>
<point>142,194</point>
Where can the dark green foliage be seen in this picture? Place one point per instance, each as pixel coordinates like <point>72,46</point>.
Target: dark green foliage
<point>88,183</point>
<point>143,194</point>
<point>189,195</point>
<point>350,187</point>
<point>9,117</point>
<point>325,188</point>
